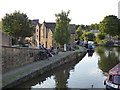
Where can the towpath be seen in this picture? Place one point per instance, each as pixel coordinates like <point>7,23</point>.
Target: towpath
<point>22,71</point>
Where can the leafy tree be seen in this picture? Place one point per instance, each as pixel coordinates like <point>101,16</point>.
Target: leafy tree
<point>83,26</point>
<point>88,36</point>
<point>17,25</point>
<point>62,33</point>
<point>96,26</point>
<point>76,26</point>
<point>118,34</point>
<point>0,24</point>
<point>109,25</point>
<point>78,32</point>
<point>100,36</point>
<point>92,27</point>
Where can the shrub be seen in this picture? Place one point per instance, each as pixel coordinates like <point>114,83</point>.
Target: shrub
<point>108,43</point>
<point>76,47</point>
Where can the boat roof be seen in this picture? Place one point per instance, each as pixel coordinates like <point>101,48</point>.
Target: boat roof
<point>115,70</point>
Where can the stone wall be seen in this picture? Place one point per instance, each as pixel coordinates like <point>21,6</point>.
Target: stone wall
<point>6,39</point>
<point>41,71</point>
<point>14,56</point>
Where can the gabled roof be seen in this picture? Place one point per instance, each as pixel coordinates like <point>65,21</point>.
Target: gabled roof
<point>52,25</point>
<point>35,22</point>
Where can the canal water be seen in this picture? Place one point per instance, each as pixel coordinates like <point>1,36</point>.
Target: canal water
<point>90,72</point>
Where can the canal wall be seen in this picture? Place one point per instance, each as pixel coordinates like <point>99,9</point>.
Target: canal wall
<point>13,57</point>
<point>37,68</point>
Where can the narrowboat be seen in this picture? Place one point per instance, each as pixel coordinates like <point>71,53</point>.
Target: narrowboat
<point>90,49</point>
<point>113,80</point>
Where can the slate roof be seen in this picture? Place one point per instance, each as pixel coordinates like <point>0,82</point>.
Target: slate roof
<point>35,22</point>
<point>52,26</point>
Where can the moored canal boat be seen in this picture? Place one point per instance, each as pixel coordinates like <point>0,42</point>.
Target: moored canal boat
<point>90,49</point>
<point>113,80</point>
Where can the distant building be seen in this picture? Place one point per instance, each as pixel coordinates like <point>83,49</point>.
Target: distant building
<point>36,33</point>
<point>46,34</point>
<point>95,32</point>
<point>5,39</point>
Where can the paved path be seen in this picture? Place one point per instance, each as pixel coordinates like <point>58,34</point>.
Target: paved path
<point>16,73</point>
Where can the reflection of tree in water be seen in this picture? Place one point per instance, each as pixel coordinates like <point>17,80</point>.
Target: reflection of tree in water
<point>63,73</point>
<point>61,78</point>
<point>118,50</point>
<point>108,58</point>
<point>100,50</point>
<point>118,53</point>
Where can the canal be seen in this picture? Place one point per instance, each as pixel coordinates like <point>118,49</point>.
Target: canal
<point>89,72</point>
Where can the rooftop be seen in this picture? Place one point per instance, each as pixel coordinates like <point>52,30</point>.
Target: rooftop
<point>115,70</point>
<point>52,26</point>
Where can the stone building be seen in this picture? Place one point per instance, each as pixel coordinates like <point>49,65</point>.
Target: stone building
<point>72,31</point>
<point>46,34</point>
<point>5,39</point>
<point>36,34</point>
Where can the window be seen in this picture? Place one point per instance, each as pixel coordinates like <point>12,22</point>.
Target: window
<point>117,79</point>
<point>46,33</point>
<point>110,78</point>
<point>34,31</point>
<point>37,36</point>
<point>46,44</point>
<point>43,33</point>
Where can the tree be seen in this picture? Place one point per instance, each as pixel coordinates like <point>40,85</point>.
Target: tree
<point>109,25</point>
<point>88,36</point>
<point>78,32</point>
<point>96,26</point>
<point>100,36</point>
<point>17,25</point>
<point>92,27</point>
<point>0,24</point>
<point>62,33</point>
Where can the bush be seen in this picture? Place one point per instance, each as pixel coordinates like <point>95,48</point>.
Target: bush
<point>76,47</point>
<point>108,43</point>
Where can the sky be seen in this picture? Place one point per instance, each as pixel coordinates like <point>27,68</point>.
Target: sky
<point>81,11</point>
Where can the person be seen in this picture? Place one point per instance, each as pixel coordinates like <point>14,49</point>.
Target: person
<point>42,46</point>
<point>39,46</point>
<point>90,47</point>
<point>57,50</point>
<point>78,42</point>
<point>86,44</point>
<point>50,48</point>
<point>71,48</point>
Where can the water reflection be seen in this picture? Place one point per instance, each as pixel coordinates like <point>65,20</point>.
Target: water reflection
<point>61,78</point>
<point>109,57</point>
<point>90,54</point>
<point>57,78</point>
